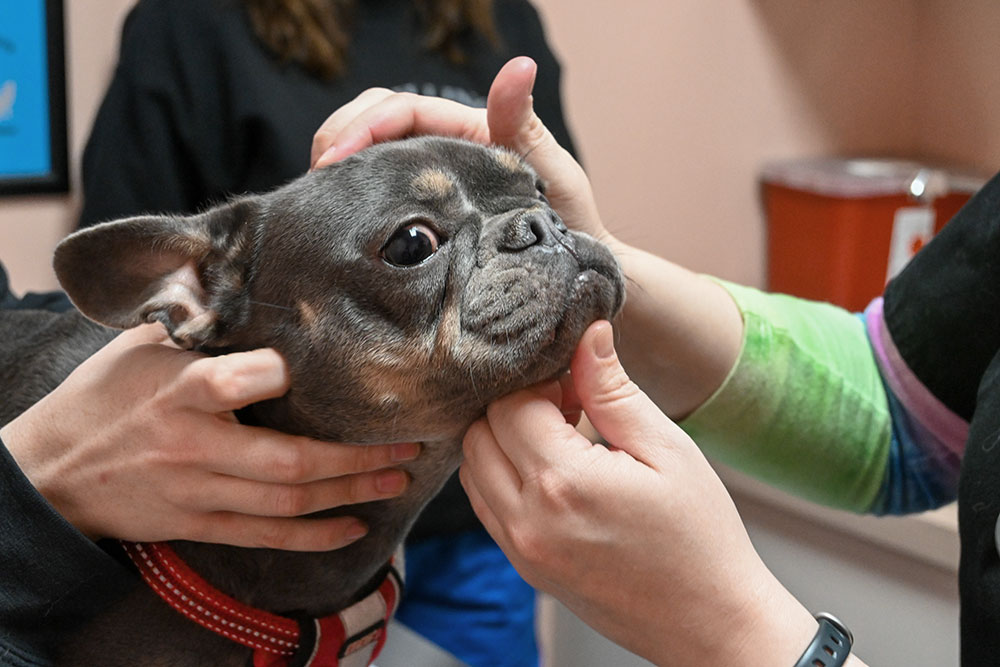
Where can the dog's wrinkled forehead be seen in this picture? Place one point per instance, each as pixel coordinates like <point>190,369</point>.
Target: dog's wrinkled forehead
<point>469,170</point>
<point>432,170</point>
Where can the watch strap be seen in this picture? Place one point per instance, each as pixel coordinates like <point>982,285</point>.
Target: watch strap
<point>830,646</point>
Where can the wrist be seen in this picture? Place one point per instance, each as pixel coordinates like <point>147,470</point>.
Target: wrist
<point>33,442</point>
<point>769,628</point>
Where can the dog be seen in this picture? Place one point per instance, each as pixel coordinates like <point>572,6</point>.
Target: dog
<point>406,286</point>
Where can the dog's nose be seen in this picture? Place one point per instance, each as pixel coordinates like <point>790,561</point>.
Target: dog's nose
<point>530,228</point>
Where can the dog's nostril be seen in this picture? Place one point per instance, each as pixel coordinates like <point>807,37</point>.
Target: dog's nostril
<point>537,228</point>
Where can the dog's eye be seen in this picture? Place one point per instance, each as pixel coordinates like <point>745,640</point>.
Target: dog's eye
<point>410,245</point>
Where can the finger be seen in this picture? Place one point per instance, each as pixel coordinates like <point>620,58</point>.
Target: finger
<point>486,463</point>
<point>479,505</point>
<point>570,404</point>
<point>233,494</point>
<point>323,140</point>
<point>232,381</point>
<point>513,123</point>
<point>532,431</point>
<point>269,533</point>
<point>264,455</point>
<point>509,110</point>
<point>618,409</point>
<point>403,115</point>
<point>144,334</point>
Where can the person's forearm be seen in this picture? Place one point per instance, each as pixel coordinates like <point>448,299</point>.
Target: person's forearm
<point>679,332</point>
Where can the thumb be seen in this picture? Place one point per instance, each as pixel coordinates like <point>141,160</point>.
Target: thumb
<point>624,416</point>
<point>509,111</point>
<point>513,123</point>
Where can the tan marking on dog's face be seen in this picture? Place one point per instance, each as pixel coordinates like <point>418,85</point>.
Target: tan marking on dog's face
<point>509,161</point>
<point>432,184</point>
<point>307,314</point>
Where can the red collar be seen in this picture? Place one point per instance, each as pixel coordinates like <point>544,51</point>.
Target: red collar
<point>351,638</point>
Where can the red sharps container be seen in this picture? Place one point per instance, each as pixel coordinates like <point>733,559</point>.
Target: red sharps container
<point>838,229</point>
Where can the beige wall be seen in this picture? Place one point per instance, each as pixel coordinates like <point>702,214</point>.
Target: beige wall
<point>675,105</point>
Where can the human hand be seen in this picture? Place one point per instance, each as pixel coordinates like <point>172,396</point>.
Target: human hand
<point>140,443</point>
<point>379,114</point>
<point>640,539</point>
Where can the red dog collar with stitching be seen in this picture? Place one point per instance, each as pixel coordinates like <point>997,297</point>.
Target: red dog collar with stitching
<point>351,638</point>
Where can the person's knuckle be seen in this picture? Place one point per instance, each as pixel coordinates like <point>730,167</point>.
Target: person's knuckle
<point>475,434</point>
<point>374,93</point>
<point>368,458</point>
<point>276,535</point>
<point>354,489</point>
<point>290,500</point>
<point>184,496</point>
<point>550,483</point>
<point>199,528</point>
<point>223,382</point>
<point>291,464</point>
<point>524,538</point>
<point>616,390</point>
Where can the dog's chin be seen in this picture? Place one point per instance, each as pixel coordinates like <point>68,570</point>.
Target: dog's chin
<point>596,294</point>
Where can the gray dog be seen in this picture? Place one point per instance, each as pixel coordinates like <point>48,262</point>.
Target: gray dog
<point>407,287</point>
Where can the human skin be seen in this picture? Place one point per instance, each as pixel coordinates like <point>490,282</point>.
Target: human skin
<point>141,443</point>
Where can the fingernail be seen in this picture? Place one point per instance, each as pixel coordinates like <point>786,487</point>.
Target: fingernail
<point>355,531</point>
<point>405,451</point>
<point>391,481</point>
<point>326,158</point>
<point>604,344</point>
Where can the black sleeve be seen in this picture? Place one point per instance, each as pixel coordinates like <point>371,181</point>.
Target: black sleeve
<point>53,578</point>
<point>136,160</point>
<point>53,301</point>
<point>943,310</point>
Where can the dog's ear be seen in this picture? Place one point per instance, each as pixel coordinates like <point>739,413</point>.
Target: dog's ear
<point>187,272</point>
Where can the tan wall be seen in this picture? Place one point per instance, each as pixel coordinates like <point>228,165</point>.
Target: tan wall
<point>675,106</point>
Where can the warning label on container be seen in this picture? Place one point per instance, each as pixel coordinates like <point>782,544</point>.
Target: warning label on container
<point>912,229</point>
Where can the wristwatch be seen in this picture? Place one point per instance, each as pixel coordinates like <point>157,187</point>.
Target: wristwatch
<point>831,645</point>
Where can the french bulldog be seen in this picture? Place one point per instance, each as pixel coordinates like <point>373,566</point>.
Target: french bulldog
<point>406,286</point>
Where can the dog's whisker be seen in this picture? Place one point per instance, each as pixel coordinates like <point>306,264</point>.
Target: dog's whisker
<point>270,305</point>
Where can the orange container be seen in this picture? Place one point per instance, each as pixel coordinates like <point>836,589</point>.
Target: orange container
<point>838,229</point>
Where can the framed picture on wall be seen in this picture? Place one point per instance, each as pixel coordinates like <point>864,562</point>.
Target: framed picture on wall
<point>32,97</point>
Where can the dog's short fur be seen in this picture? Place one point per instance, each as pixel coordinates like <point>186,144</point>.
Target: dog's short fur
<point>379,350</point>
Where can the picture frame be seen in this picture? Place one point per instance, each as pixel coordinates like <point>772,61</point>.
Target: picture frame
<point>33,133</point>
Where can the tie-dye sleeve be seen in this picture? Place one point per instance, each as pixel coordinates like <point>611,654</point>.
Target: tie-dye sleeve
<point>928,439</point>
<point>812,406</point>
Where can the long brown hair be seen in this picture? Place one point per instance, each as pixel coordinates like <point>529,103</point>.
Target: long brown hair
<point>317,33</point>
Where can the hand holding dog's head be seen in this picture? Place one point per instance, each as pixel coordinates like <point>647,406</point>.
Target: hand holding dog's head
<point>406,286</point>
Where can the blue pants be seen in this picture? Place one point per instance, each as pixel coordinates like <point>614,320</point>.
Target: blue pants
<point>463,594</point>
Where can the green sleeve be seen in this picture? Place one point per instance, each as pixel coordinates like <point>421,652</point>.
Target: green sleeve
<point>803,408</point>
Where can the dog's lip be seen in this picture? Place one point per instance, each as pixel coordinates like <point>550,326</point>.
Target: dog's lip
<point>606,273</point>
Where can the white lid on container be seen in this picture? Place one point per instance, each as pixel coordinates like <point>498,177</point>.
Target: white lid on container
<point>856,178</point>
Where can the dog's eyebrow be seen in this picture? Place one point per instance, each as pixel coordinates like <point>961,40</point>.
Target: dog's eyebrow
<point>509,160</point>
<point>432,183</point>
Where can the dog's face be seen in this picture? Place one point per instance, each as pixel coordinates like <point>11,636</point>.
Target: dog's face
<point>406,286</point>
